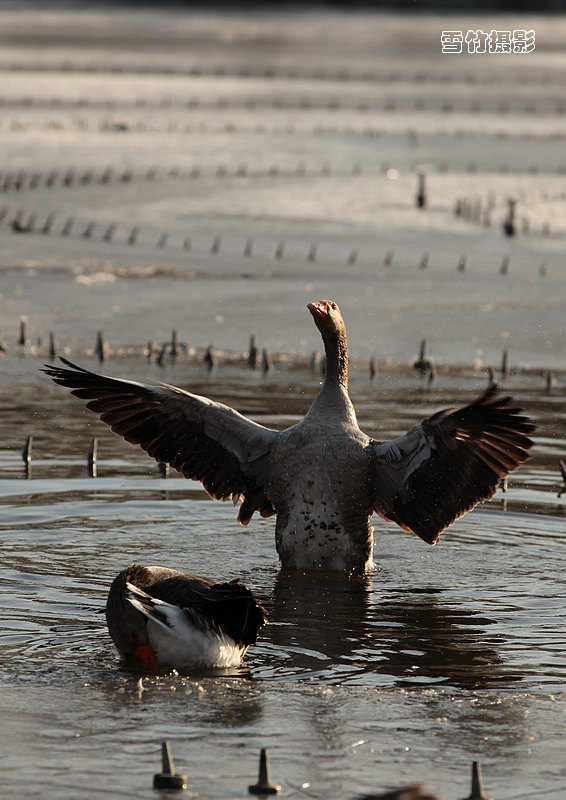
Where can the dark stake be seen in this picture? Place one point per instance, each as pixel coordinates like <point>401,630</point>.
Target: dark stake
<point>167,778</point>
<point>510,224</point>
<point>210,358</point>
<point>266,360</point>
<point>279,249</point>
<point>252,353</point>
<point>163,240</point>
<point>216,242</point>
<point>490,376</point>
<point>562,468</point>
<point>100,347</point>
<point>264,784</point>
<point>421,198</point>
<point>149,350</point>
<point>48,224</point>
<point>92,457</point>
<point>69,178</point>
<point>52,346</point>
<point>504,268</point>
<point>353,257</point>
<point>312,252</point>
<point>462,264</point>
<point>163,469</point>
<point>110,231</point>
<point>248,247</point>
<point>133,237</point>
<point>160,360</point>
<point>18,221</point>
<point>89,230</point>
<point>372,369</point>
<point>388,260</point>
<point>26,452</point>
<point>26,227</point>
<point>174,350</point>
<point>505,364</point>
<point>549,381</point>
<point>477,786</point>
<point>23,337</point>
<point>187,243</point>
<point>68,227</point>
<point>424,261</point>
<point>20,181</point>
<point>423,365</point>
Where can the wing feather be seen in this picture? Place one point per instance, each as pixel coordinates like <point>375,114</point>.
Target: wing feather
<point>449,463</point>
<point>202,439</point>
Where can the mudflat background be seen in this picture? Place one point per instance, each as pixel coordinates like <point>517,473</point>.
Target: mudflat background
<point>262,159</point>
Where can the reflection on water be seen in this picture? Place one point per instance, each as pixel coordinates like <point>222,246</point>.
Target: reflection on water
<point>341,632</point>
<point>445,647</point>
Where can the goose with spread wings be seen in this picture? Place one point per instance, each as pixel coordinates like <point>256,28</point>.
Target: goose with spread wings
<point>323,478</point>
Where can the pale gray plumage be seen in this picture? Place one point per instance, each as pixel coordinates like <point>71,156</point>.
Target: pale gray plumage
<point>323,477</point>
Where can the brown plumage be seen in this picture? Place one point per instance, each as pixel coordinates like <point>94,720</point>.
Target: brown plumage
<point>162,616</point>
<point>322,477</point>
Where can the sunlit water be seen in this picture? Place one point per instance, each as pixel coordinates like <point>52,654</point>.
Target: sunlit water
<point>441,656</point>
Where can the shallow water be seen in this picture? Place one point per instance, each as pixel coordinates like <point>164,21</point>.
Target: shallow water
<point>441,656</point>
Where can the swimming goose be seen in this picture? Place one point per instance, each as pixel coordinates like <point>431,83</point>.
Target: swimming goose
<point>162,616</point>
<point>322,477</point>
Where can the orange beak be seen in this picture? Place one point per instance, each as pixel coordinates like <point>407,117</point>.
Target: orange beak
<point>319,309</point>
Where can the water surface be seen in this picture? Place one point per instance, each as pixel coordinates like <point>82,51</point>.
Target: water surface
<point>441,656</point>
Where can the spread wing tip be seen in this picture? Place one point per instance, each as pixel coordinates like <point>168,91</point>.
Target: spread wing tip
<point>451,462</point>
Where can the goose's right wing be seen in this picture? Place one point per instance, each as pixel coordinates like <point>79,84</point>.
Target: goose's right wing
<point>204,440</point>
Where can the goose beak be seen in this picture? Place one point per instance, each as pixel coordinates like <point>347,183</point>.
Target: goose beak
<point>319,309</point>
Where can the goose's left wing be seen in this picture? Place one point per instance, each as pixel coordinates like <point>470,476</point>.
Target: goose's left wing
<point>449,463</point>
